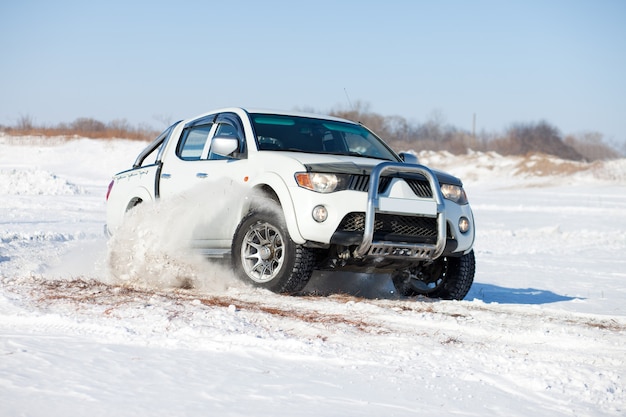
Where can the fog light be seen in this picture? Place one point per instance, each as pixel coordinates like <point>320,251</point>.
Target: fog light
<point>464,224</point>
<point>320,213</point>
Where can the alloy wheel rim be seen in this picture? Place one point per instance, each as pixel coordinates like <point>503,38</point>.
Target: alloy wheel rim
<point>262,252</point>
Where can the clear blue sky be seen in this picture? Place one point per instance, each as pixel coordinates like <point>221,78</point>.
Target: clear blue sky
<point>149,61</point>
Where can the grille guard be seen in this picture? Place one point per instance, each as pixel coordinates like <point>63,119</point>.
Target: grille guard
<point>402,250</point>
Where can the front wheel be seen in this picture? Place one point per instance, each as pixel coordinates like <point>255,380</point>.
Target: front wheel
<point>448,278</point>
<point>263,254</point>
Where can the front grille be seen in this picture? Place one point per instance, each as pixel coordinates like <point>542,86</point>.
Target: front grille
<point>392,227</point>
<point>421,187</point>
<point>362,183</point>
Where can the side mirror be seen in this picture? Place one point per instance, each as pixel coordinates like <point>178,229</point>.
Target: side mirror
<point>224,145</point>
<point>409,158</point>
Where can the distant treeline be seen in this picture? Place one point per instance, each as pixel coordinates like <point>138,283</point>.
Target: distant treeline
<point>84,127</point>
<point>403,135</point>
<point>518,139</point>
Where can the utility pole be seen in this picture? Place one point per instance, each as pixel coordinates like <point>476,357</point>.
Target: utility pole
<point>474,127</point>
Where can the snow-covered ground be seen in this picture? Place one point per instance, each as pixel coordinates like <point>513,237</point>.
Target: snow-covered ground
<point>541,333</point>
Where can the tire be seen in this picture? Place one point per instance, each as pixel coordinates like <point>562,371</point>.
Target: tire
<point>448,278</point>
<point>264,255</point>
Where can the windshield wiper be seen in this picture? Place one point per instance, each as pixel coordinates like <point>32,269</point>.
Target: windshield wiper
<point>356,154</point>
<point>360,155</point>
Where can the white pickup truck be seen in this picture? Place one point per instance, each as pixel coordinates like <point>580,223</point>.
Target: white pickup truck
<point>319,193</point>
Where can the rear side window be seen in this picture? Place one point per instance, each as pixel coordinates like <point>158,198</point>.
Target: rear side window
<point>194,139</point>
<point>150,159</point>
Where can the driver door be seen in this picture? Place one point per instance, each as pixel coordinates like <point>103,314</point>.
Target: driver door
<point>206,181</point>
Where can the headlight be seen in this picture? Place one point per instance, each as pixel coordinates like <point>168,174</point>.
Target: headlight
<point>454,193</point>
<point>321,183</point>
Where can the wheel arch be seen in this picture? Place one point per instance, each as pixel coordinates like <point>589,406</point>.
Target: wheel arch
<point>272,186</point>
<point>139,195</point>
<point>135,201</point>
<point>120,201</point>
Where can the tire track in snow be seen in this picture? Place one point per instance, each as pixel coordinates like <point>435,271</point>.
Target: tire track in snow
<point>534,353</point>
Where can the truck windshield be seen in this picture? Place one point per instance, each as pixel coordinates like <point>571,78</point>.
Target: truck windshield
<point>304,134</point>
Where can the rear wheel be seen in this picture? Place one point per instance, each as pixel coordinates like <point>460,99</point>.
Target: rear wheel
<point>448,278</point>
<point>264,255</point>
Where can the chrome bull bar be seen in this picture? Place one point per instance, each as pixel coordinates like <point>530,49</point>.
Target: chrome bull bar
<point>425,207</point>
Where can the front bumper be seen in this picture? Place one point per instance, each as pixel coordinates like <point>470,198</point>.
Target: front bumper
<point>425,225</point>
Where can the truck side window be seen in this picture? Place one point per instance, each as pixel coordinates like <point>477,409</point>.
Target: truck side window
<point>193,141</point>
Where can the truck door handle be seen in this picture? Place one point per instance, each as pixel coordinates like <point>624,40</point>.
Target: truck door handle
<point>202,174</point>
<point>164,175</point>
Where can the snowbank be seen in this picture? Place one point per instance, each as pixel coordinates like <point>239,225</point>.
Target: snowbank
<point>532,170</point>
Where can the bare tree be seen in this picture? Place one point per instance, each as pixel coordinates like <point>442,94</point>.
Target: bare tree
<point>591,145</point>
<point>524,138</point>
<point>88,125</point>
<point>25,122</point>
<point>360,113</point>
<point>165,120</point>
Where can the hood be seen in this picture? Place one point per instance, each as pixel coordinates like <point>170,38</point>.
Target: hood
<point>358,166</point>
<point>342,164</point>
